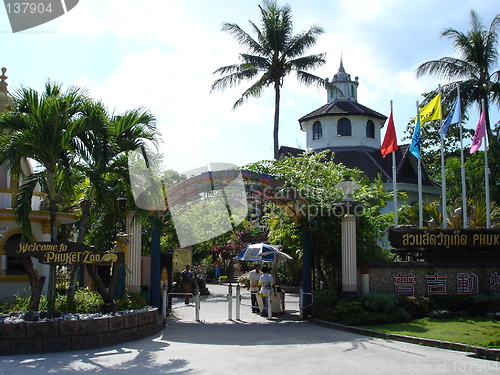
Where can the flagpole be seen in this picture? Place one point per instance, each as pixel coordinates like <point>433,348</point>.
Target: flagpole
<point>443,175</point>
<point>465,223</point>
<point>394,187</point>
<point>419,171</point>
<point>486,177</point>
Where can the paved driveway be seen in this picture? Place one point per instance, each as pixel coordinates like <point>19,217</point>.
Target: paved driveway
<point>253,345</point>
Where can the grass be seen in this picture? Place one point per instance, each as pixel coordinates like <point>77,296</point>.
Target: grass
<point>471,331</point>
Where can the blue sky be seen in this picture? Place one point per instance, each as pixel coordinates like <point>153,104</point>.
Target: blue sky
<point>161,54</point>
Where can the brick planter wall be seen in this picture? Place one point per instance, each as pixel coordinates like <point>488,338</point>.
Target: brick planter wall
<point>65,335</point>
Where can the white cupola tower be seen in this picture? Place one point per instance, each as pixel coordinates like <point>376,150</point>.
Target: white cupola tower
<point>342,122</point>
<point>342,88</point>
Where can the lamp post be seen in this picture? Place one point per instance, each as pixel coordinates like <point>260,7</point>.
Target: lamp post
<point>348,209</point>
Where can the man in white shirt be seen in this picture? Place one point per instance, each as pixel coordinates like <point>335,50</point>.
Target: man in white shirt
<point>266,283</point>
<point>254,277</point>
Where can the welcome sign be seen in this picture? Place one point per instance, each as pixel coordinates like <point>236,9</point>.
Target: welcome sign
<point>62,253</point>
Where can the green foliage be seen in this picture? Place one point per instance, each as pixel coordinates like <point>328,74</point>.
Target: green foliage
<point>86,301</point>
<point>346,309</point>
<point>416,306</point>
<point>323,302</point>
<point>318,186</point>
<point>132,301</point>
<point>379,302</point>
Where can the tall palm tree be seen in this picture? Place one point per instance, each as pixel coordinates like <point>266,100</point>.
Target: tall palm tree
<point>273,55</point>
<point>46,128</point>
<point>474,69</point>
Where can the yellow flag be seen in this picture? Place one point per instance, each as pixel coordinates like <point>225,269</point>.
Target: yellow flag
<point>432,111</point>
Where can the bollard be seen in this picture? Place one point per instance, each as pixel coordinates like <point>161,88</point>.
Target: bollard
<point>238,300</point>
<point>164,302</point>
<point>301,302</point>
<point>197,302</point>
<point>269,306</point>
<point>230,302</point>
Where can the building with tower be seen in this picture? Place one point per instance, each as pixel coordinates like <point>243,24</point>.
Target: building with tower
<point>352,132</point>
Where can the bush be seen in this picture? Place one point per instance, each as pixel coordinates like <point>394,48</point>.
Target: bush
<point>132,301</point>
<point>417,307</point>
<point>323,302</point>
<point>346,310</point>
<point>379,302</point>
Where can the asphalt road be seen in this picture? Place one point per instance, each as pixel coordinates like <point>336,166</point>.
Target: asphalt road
<point>251,345</point>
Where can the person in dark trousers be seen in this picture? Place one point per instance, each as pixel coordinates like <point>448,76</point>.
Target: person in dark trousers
<point>186,282</point>
<point>254,277</point>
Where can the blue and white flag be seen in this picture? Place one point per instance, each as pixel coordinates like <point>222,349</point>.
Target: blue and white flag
<point>415,141</point>
<point>454,117</point>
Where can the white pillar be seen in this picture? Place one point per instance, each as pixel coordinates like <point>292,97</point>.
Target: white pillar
<point>349,273</point>
<point>133,259</point>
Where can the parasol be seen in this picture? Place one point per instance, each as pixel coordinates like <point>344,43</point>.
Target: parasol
<point>262,252</point>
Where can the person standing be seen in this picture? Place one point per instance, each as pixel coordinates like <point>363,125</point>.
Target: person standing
<point>186,282</point>
<point>254,277</point>
<point>266,282</point>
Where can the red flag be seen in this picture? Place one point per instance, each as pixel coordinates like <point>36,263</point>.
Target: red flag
<point>390,143</point>
<point>479,134</point>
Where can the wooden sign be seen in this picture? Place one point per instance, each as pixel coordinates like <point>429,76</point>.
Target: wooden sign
<point>62,253</point>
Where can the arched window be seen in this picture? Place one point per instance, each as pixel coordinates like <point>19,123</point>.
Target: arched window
<point>317,130</point>
<point>344,127</point>
<point>370,129</point>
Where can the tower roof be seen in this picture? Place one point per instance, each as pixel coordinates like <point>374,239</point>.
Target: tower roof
<point>340,109</point>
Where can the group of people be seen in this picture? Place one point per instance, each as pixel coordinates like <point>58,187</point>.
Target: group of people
<point>260,282</point>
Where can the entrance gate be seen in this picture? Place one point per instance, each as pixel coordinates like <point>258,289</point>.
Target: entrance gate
<point>256,186</point>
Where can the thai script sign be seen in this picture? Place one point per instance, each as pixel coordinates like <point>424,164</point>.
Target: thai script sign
<point>443,239</point>
<point>62,253</point>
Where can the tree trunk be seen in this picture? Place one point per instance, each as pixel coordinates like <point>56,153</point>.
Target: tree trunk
<point>36,283</point>
<point>276,119</point>
<point>51,287</point>
<point>85,205</point>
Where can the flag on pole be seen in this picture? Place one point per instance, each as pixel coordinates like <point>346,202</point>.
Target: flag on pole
<point>432,110</point>
<point>479,134</point>
<point>390,143</point>
<point>454,117</point>
<point>415,141</point>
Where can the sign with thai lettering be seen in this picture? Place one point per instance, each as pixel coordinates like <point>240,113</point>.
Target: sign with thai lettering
<point>445,239</point>
<point>62,253</point>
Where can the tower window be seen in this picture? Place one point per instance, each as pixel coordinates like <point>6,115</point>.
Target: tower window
<point>370,129</point>
<point>344,127</point>
<point>317,130</point>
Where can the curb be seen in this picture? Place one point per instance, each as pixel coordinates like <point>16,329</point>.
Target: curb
<point>478,351</point>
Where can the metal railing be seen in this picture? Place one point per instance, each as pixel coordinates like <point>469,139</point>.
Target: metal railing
<point>302,301</point>
<point>238,298</point>
<point>168,296</point>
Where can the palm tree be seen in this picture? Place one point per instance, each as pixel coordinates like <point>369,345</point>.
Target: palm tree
<point>474,70</point>
<point>104,164</point>
<point>46,128</point>
<point>272,56</point>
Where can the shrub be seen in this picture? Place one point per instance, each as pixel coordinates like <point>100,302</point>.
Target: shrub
<point>379,302</point>
<point>417,307</point>
<point>344,311</point>
<point>323,302</point>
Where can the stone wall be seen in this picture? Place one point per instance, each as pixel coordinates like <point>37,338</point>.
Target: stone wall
<point>65,335</point>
